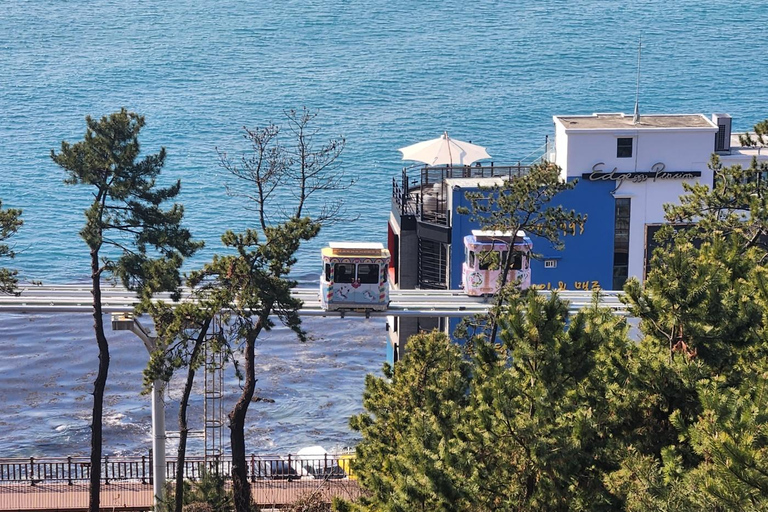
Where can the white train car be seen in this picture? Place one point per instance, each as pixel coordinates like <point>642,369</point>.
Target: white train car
<point>354,276</point>
<point>483,253</point>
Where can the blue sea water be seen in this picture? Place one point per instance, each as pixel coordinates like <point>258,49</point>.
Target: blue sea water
<point>383,74</point>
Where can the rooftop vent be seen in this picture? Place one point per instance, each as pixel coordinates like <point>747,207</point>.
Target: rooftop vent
<point>723,135</point>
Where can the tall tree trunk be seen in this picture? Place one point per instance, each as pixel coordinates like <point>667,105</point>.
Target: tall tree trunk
<point>241,488</point>
<point>98,386</point>
<point>499,298</point>
<point>183,427</point>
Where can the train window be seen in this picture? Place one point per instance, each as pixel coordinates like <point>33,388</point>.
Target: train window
<point>327,271</point>
<point>485,260</point>
<point>368,273</point>
<point>343,273</point>
<point>517,261</point>
<point>489,260</point>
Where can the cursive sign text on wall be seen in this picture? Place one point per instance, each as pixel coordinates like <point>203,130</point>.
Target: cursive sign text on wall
<point>658,172</point>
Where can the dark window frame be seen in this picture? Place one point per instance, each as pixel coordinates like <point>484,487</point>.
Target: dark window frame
<point>624,148</point>
<point>369,277</point>
<point>346,277</point>
<point>621,231</point>
<point>517,260</point>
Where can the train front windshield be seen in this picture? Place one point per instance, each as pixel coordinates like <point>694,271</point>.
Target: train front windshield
<point>348,273</point>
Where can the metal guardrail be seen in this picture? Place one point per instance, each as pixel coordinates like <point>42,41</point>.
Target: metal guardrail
<point>73,470</point>
<point>403,303</point>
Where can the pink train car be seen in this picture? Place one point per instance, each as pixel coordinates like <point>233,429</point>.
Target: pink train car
<point>479,274</point>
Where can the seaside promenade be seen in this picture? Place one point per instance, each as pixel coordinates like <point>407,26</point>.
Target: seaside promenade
<point>131,496</point>
<point>62,484</point>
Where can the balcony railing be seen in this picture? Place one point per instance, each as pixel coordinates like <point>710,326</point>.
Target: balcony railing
<point>421,191</point>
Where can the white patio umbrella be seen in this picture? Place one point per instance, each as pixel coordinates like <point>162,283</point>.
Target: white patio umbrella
<point>444,151</point>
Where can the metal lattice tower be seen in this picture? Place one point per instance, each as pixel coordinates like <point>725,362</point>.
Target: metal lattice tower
<point>212,409</point>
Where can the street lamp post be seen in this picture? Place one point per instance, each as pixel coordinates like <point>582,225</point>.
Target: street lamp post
<point>126,322</point>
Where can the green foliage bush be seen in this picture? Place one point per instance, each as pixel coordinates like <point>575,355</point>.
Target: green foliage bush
<point>210,493</point>
<point>561,412</point>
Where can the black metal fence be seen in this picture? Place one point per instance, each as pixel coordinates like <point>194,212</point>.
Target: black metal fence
<point>62,483</point>
<point>71,470</point>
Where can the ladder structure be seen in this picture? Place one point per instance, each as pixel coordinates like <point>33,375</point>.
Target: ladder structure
<point>213,415</point>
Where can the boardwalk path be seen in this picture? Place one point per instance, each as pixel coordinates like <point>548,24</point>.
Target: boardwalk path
<point>126,496</point>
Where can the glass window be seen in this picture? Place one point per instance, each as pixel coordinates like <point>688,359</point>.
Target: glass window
<point>486,259</point>
<point>471,259</point>
<point>343,273</point>
<point>517,260</point>
<point>621,243</point>
<point>624,147</point>
<point>327,271</point>
<point>368,273</point>
<point>491,260</point>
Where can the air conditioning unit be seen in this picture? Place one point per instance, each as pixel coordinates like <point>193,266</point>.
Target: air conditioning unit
<point>723,135</point>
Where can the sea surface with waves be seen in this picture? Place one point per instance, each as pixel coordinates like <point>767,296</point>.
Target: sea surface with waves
<point>383,74</point>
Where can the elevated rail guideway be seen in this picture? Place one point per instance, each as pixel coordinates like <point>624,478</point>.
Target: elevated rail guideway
<point>415,303</point>
<point>120,303</point>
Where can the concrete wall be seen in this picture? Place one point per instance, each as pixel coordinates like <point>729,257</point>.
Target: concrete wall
<point>682,150</point>
<point>561,150</point>
<point>408,257</point>
<point>673,150</point>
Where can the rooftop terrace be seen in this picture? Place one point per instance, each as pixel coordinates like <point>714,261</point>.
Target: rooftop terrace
<point>621,121</point>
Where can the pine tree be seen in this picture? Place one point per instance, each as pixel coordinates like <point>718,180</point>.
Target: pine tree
<point>10,222</point>
<point>410,457</point>
<point>538,420</point>
<point>182,334</point>
<point>129,236</point>
<point>525,424</point>
<point>731,437</point>
<point>248,288</point>
<point>288,189</point>
<point>698,375</point>
<point>523,203</point>
<point>735,207</point>
<point>761,131</point>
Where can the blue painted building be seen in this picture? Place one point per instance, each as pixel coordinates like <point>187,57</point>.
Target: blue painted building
<point>579,266</point>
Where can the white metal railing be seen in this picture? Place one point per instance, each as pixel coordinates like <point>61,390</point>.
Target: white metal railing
<point>414,303</point>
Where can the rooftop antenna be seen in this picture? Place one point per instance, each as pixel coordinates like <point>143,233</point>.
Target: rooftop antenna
<point>636,117</point>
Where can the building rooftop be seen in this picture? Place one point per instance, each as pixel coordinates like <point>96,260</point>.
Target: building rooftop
<point>739,152</point>
<point>622,121</point>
